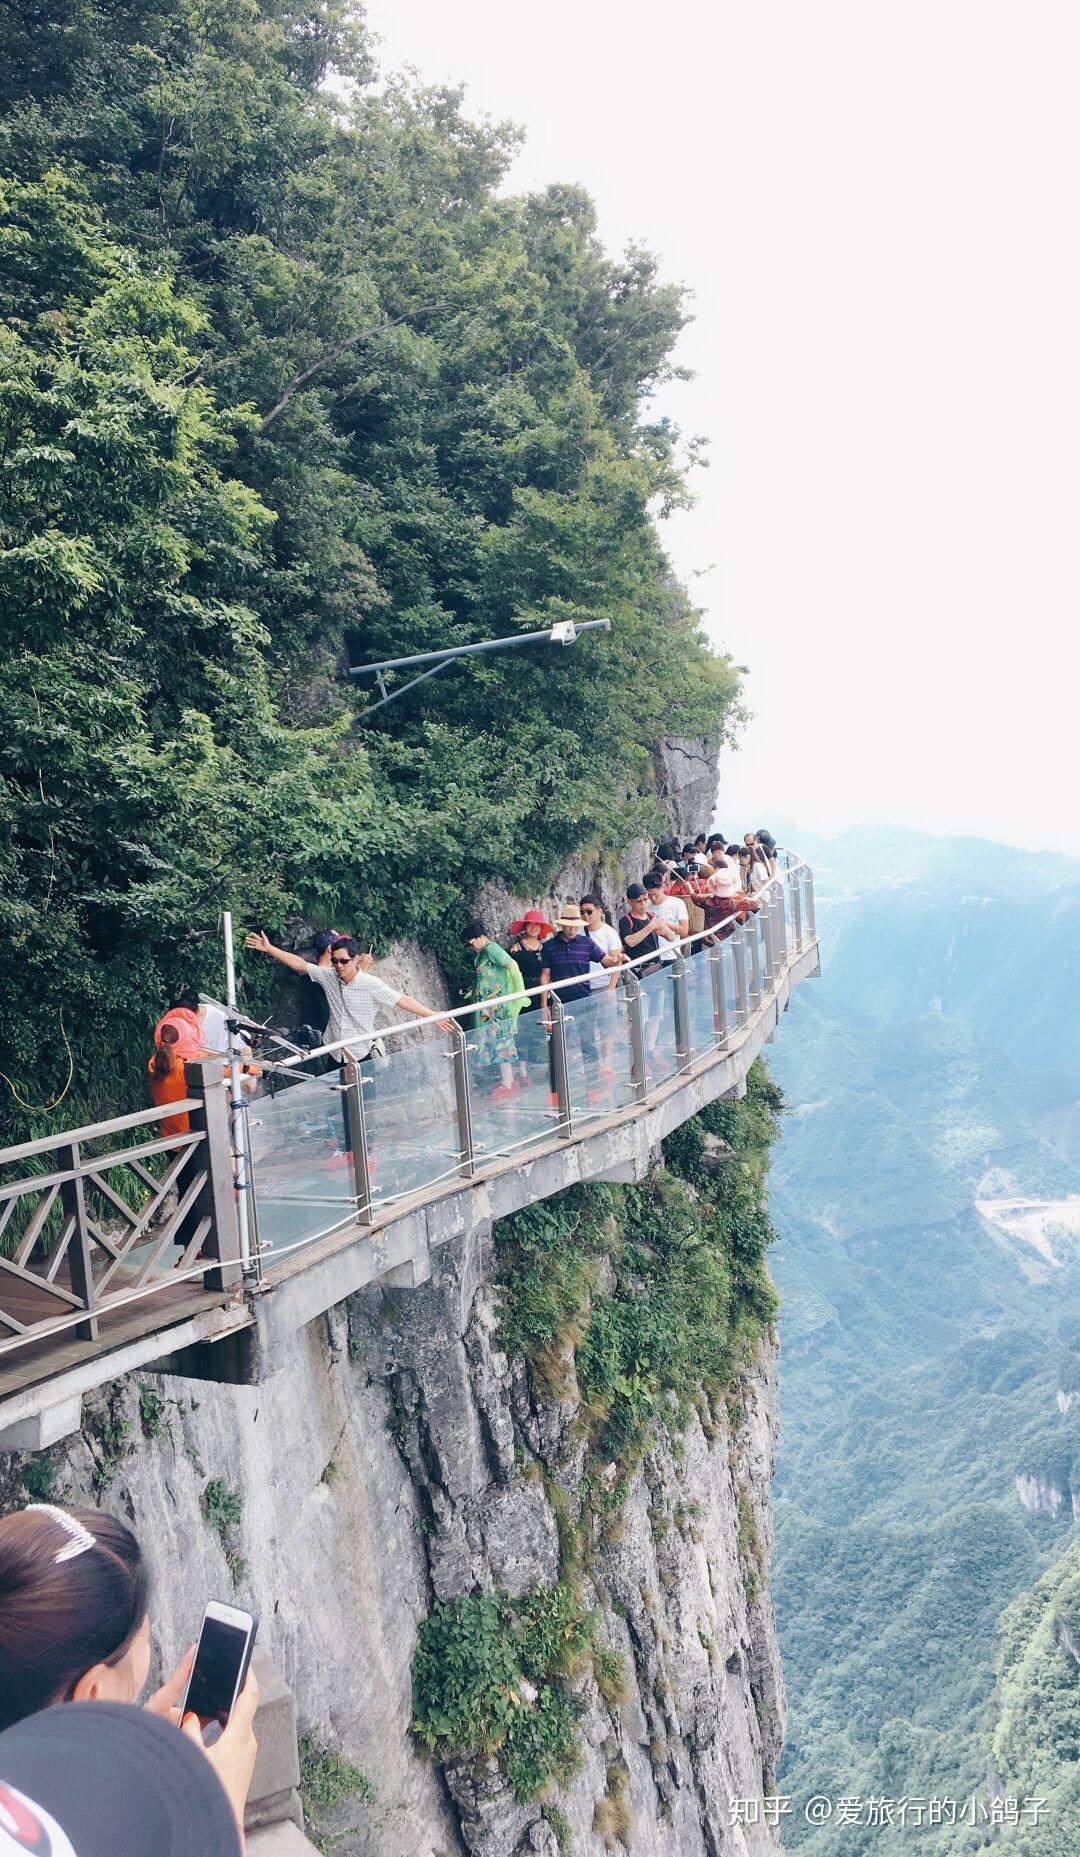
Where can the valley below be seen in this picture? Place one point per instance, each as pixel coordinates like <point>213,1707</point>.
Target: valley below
<point>927,1194</point>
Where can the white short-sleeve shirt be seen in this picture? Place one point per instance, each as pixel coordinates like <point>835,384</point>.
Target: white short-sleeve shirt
<point>607,938</point>
<point>353,1005</point>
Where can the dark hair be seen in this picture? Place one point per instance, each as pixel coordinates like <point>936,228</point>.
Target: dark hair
<point>700,839</point>
<point>653,879</point>
<point>596,901</point>
<point>350,945</point>
<point>716,839</point>
<point>472,929</point>
<point>666,848</point>
<point>187,999</point>
<point>766,838</point>
<point>57,1620</point>
<point>162,1061</point>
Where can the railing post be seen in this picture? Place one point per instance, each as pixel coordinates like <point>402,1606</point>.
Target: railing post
<point>811,923</point>
<point>715,958</point>
<point>796,910</point>
<point>681,1001</point>
<point>632,989</point>
<point>79,1259</point>
<point>742,987</point>
<point>356,1125</point>
<point>217,1201</point>
<point>462,1100</point>
<point>756,979</point>
<point>781,927</point>
<point>558,1056</point>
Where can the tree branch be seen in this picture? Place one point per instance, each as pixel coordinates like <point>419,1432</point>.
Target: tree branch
<point>307,374</point>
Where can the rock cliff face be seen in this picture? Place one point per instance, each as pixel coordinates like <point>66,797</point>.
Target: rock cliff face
<point>400,1457</point>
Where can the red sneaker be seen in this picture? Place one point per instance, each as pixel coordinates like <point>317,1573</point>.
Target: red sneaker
<point>503,1092</point>
<point>593,1096</point>
<point>607,1075</point>
<point>553,1099</point>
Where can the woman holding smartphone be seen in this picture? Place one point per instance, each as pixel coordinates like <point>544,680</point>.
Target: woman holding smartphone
<point>75,1627</point>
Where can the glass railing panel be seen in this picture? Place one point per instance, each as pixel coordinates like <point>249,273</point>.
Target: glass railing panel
<point>410,1111</point>
<point>700,1000</point>
<point>658,1024</point>
<point>504,1125</point>
<point>598,1054</point>
<point>300,1162</point>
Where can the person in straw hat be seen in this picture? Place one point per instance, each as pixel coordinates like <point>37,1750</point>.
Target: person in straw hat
<point>568,956</point>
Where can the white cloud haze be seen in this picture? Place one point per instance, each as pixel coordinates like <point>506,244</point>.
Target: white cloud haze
<point>874,206</point>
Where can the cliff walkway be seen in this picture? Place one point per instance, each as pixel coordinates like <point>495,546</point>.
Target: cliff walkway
<point>123,1247</point>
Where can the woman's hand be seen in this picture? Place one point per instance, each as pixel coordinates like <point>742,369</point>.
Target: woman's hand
<point>233,1753</point>
<point>260,940</point>
<point>166,1701</point>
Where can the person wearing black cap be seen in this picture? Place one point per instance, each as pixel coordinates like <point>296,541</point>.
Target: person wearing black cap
<point>109,1780</point>
<point>642,933</point>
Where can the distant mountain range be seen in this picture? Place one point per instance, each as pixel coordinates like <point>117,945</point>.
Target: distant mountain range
<point>930,1445</point>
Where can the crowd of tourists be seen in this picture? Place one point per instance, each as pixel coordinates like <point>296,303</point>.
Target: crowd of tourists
<point>694,894</point>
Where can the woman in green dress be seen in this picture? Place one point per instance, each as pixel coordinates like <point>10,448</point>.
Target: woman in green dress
<point>497,973</point>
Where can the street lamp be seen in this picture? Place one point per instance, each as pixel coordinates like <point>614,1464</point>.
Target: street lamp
<point>565,633</point>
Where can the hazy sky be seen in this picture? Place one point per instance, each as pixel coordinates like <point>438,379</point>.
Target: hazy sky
<point>875,206</point>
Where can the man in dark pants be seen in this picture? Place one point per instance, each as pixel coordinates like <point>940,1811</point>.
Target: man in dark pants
<point>568,956</point>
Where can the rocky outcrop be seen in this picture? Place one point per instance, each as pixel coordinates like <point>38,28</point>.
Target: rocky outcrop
<point>401,1456</point>
<point>1040,1494</point>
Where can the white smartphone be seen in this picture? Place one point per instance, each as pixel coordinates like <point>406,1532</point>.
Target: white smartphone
<point>222,1656</point>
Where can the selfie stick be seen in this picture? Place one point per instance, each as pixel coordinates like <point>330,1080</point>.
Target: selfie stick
<point>237,1119</point>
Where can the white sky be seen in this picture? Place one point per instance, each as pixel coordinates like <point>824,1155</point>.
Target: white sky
<point>875,206</point>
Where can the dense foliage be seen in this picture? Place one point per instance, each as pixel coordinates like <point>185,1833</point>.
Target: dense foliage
<point>289,383</point>
<point>1037,1740</point>
<point>491,1676</point>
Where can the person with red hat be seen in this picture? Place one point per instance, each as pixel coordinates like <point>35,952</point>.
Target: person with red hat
<point>528,935</point>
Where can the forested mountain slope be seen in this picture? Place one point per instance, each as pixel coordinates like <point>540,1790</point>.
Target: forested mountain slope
<point>288,384</point>
<point>925,1342</point>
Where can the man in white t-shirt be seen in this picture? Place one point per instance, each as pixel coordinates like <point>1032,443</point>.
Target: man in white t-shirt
<point>603,982</point>
<point>354,996</point>
<point>669,909</point>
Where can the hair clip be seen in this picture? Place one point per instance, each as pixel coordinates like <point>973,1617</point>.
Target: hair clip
<point>81,1538</point>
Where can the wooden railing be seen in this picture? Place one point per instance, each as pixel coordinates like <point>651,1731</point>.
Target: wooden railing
<point>101,1216</point>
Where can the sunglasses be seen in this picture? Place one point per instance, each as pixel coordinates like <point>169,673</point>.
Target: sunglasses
<point>342,960</point>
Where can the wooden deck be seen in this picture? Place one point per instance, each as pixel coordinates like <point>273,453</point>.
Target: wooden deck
<point>49,1355</point>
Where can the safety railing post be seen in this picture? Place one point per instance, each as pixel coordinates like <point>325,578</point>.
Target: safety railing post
<point>559,1065</point>
<point>681,1002</point>
<point>80,1263</point>
<point>781,926</point>
<point>715,959</point>
<point>796,911</point>
<point>636,1020</point>
<point>462,1101</point>
<point>757,985</point>
<point>811,923</point>
<point>356,1124</point>
<point>218,1200</point>
<point>742,984</point>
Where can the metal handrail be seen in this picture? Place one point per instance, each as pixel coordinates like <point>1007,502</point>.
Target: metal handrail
<point>707,936</point>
